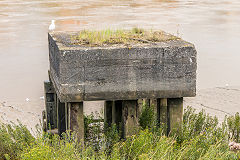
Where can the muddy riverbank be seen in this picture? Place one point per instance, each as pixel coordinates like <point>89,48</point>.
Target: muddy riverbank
<point>219,101</point>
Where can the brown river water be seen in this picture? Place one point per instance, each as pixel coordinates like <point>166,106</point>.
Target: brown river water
<point>212,25</point>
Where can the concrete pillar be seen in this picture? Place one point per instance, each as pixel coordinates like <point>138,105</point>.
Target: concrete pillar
<point>175,113</point>
<point>130,117</point>
<point>76,119</point>
<point>140,105</point>
<point>108,105</point>
<point>162,113</point>
<point>61,121</point>
<point>50,104</point>
<point>117,114</point>
<point>67,117</point>
<point>153,103</point>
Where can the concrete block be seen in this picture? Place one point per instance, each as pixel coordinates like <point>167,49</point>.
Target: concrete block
<point>119,72</point>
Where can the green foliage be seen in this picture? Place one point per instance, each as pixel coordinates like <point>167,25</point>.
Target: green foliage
<point>111,137</point>
<point>233,127</point>
<point>147,117</point>
<point>199,137</point>
<point>198,124</point>
<point>13,140</point>
<point>54,147</point>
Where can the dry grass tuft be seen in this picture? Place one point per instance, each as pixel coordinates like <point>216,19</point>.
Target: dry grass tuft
<point>127,37</point>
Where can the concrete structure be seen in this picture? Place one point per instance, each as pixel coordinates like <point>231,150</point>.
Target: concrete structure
<point>122,74</point>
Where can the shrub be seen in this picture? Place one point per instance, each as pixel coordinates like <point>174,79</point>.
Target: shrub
<point>13,140</point>
<point>200,137</point>
<point>147,117</point>
<point>232,124</point>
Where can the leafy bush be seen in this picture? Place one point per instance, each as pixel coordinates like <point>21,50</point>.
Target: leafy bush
<point>13,140</point>
<point>147,117</point>
<point>200,137</point>
<point>232,125</point>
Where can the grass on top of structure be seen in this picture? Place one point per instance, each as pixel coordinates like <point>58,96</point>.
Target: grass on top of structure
<point>120,36</point>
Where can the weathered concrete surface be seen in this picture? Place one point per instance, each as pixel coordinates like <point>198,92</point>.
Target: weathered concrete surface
<point>50,105</point>
<point>161,70</point>
<point>77,120</point>
<point>162,113</point>
<point>130,117</point>
<point>61,117</point>
<point>175,113</point>
<point>108,106</point>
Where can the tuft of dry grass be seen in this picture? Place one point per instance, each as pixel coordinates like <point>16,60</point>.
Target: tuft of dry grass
<point>110,37</point>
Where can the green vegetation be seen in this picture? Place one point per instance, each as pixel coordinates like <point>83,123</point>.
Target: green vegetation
<point>127,37</point>
<point>199,137</point>
<point>13,140</point>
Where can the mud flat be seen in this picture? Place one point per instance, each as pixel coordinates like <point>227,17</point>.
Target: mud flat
<point>219,101</point>
<point>30,113</point>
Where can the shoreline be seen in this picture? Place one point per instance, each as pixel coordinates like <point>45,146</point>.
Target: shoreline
<point>219,101</point>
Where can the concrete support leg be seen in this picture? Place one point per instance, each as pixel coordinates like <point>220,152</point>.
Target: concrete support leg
<point>61,121</point>
<point>140,105</point>
<point>76,118</point>
<point>130,117</point>
<point>55,111</point>
<point>162,113</point>
<point>67,117</point>
<point>175,113</point>
<point>108,114</point>
<point>153,103</point>
<point>50,103</point>
<point>117,114</point>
